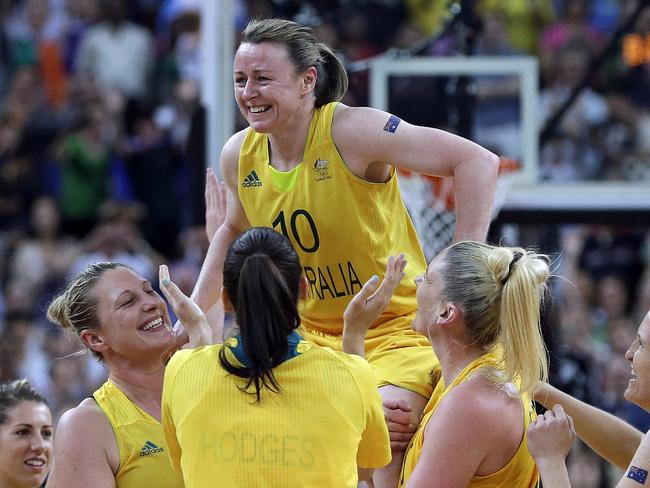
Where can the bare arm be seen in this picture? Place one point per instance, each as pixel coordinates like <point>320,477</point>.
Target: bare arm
<point>637,473</point>
<point>85,450</point>
<point>215,214</point>
<point>594,426</point>
<point>364,142</point>
<point>207,291</point>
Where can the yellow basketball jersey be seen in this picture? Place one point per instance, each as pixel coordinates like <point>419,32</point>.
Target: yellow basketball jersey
<point>343,227</point>
<point>519,472</point>
<point>326,420</point>
<point>140,440</point>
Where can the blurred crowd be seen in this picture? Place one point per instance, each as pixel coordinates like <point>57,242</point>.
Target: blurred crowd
<point>102,136</point>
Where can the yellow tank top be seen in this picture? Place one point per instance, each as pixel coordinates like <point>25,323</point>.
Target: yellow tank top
<point>326,421</point>
<point>343,227</point>
<point>140,440</point>
<point>519,472</point>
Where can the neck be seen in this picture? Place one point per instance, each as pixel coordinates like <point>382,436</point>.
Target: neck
<point>454,356</point>
<point>143,387</point>
<point>287,146</point>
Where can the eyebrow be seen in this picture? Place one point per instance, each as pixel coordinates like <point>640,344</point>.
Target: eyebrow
<point>256,70</point>
<point>144,283</point>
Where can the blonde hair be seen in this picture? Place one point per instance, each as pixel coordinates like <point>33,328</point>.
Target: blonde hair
<point>75,309</point>
<point>499,291</point>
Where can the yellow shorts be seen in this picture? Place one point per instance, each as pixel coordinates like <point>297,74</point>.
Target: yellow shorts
<point>398,355</point>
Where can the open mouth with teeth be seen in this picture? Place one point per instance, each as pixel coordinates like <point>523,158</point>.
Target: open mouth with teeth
<point>259,110</point>
<point>37,463</point>
<point>153,325</point>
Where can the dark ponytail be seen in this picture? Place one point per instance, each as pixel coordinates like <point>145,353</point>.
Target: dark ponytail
<point>262,279</point>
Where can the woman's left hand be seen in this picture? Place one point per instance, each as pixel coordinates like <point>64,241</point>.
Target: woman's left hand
<point>189,313</point>
<point>367,305</point>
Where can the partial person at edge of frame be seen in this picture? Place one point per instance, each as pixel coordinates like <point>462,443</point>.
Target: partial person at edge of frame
<point>480,307</point>
<point>26,434</point>
<point>324,175</point>
<point>289,413</point>
<point>114,438</point>
<point>553,433</point>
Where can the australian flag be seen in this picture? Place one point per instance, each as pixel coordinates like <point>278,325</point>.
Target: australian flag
<point>637,474</point>
<point>391,125</point>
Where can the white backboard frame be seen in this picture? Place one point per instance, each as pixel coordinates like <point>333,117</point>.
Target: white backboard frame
<point>527,193</point>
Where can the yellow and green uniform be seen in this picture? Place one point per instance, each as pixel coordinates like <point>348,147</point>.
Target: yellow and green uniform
<point>326,420</point>
<point>140,441</point>
<point>344,229</point>
<point>519,472</point>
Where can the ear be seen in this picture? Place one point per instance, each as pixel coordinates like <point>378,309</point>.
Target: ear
<point>309,80</point>
<point>227,304</point>
<point>448,313</point>
<point>93,340</point>
<point>303,287</point>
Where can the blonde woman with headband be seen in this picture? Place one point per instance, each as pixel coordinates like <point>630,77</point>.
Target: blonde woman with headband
<point>480,307</point>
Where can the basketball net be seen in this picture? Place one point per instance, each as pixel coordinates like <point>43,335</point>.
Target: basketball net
<point>431,203</point>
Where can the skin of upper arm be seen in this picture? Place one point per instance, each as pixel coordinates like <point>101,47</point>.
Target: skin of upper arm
<point>359,134</point>
<point>457,439</point>
<point>82,444</point>
<point>641,462</point>
<point>235,215</point>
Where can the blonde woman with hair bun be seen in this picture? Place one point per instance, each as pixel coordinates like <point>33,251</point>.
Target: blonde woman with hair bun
<point>480,307</point>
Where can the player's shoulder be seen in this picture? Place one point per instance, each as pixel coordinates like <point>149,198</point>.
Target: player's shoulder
<point>230,150</point>
<point>347,116</point>
<point>86,417</point>
<point>358,367</point>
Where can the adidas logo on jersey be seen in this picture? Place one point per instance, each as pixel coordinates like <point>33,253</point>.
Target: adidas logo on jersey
<point>251,180</point>
<point>150,448</point>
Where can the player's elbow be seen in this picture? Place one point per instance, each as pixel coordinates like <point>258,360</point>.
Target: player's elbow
<point>489,164</point>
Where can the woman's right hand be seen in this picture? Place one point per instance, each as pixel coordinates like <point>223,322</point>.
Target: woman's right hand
<point>215,203</point>
<point>550,436</point>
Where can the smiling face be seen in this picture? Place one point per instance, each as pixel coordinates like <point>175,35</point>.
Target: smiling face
<point>638,388</point>
<point>428,296</point>
<point>133,318</point>
<point>25,445</point>
<point>268,90</point>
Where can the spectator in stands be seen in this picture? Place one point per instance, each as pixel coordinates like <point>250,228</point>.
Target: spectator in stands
<point>116,52</point>
<point>42,260</point>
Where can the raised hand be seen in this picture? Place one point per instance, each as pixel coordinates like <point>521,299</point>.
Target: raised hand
<point>215,203</point>
<point>550,436</point>
<point>367,305</point>
<point>189,313</point>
